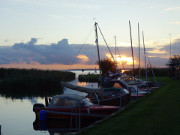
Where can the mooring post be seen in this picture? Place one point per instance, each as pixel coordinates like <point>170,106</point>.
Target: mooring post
<point>137,91</point>
<point>120,102</point>
<point>79,117</point>
<point>0,129</point>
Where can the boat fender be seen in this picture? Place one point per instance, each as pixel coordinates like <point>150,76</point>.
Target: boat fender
<point>42,125</point>
<point>88,110</point>
<point>42,115</point>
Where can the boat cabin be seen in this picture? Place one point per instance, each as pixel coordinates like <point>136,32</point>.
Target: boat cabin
<point>65,101</point>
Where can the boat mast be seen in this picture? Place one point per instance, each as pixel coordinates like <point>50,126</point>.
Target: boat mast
<point>170,43</point>
<point>131,46</point>
<point>115,44</point>
<point>145,59</point>
<point>144,54</point>
<point>115,53</point>
<point>97,44</point>
<point>139,51</point>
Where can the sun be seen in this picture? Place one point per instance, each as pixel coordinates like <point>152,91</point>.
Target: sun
<point>122,59</point>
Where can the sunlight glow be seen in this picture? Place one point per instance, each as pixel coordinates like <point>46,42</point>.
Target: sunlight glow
<point>122,59</point>
<point>157,52</point>
<point>48,66</point>
<point>82,84</point>
<point>84,58</point>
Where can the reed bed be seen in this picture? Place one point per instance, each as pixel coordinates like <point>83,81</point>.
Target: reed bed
<point>32,82</point>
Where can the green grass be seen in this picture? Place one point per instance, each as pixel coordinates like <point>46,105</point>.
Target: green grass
<point>156,114</point>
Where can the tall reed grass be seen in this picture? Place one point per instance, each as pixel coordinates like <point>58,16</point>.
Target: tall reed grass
<point>32,82</point>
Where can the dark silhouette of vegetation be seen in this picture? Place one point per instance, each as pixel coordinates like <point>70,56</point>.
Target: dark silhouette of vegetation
<point>174,66</point>
<point>107,65</point>
<point>88,78</point>
<point>31,82</point>
<point>161,72</point>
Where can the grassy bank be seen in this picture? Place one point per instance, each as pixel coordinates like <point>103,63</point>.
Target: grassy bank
<point>31,82</point>
<point>156,114</point>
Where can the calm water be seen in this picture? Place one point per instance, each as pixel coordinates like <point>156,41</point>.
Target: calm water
<point>17,116</point>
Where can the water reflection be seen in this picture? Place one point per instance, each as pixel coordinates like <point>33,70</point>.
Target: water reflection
<point>82,84</point>
<point>54,126</point>
<point>60,126</point>
<point>28,94</point>
<point>17,116</point>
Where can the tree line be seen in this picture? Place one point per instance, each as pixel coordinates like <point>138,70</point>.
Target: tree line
<point>172,69</point>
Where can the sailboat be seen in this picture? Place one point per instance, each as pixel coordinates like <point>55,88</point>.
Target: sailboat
<point>130,82</point>
<point>136,86</point>
<point>103,96</point>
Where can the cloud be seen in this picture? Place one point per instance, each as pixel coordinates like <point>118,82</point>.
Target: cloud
<point>173,9</point>
<point>175,47</point>
<point>177,22</point>
<point>79,4</point>
<point>83,58</point>
<point>63,53</point>
<point>156,51</point>
<point>60,53</point>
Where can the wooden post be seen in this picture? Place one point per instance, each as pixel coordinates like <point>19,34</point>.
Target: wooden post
<point>0,129</point>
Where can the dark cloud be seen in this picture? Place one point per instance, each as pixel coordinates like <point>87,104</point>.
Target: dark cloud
<point>175,47</point>
<point>60,53</point>
<point>65,53</point>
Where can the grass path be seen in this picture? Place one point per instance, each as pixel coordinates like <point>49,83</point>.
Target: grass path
<point>156,114</point>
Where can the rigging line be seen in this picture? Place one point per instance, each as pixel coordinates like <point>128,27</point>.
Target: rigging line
<point>151,67</point>
<point>146,56</point>
<point>80,48</point>
<point>116,48</point>
<point>118,53</point>
<point>106,43</point>
<point>120,58</point>
<point>115,52</point>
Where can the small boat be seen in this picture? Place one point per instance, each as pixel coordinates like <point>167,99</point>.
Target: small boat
<point>72,106</point>
<point>111,96</point>
<point>104,96</point>
<point>128,83</point>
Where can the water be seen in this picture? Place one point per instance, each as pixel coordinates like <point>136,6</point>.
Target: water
<point>84,84</point>
<point>17,116</point>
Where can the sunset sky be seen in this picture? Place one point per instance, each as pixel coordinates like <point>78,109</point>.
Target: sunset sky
<point>49,34</point>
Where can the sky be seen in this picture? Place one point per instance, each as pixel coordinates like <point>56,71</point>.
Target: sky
<point>49,34</point>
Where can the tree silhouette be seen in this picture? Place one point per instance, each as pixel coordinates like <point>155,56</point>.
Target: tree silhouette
<point>106,65</point>
<point>174,66</point>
